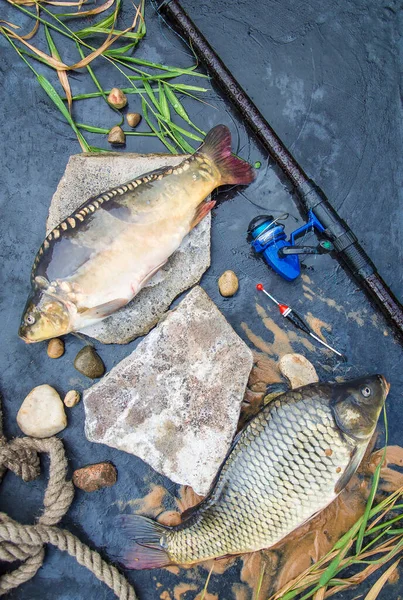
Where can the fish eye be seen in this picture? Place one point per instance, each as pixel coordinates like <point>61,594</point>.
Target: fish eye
<point>366,391</point>
<point>30,319</point>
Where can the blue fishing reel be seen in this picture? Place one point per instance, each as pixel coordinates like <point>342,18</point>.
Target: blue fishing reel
<point>281,254</point>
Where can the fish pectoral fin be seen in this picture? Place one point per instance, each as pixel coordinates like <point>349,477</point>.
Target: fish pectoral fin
<point>356,458</point>
<point>151,274</point>
<point>201,211</point>
<point>104,310</point>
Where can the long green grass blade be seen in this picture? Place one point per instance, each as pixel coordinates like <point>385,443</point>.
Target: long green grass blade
<point>98,94</point>
<point>145,63</point>
<point>179,108</point>
<point>374,487</point>
<point>52,46</point>
<point>105,131</point>
<point>191,88</point>
<point>151,95</point>
<point>183,144</point>
<point>154,129</point>
<point>176,127</point>
<point>163,102</point>
<point>54,96</point>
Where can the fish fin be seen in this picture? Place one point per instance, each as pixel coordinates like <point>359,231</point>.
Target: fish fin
<point>217,147</point>
<point>151,274</point>
<point>145,550</point>
<point>356,457</point>
<point>188,512</point>
<point>201,211</point>
<point>104,310</point>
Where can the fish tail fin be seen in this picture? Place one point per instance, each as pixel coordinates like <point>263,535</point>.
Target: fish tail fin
<point>217,147</point>
<point>145,550</point>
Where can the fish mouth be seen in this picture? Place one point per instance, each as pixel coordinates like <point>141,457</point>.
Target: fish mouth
<point>25,339</point>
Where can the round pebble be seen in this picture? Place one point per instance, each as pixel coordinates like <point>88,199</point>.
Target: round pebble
<point>55,348</point>
<point>95,477</point>
<point>42,413</point>
<point>298,370</point>
<point>117,136</point>
<point>228,284</point>
<point>89,363</point>
<point>117,98</point>
<point>71,398</point>
<point>133,119</point>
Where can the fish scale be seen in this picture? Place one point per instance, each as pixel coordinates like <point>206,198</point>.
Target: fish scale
<point>100,257</point>
<point>290,461</point>
<point>261,461</point>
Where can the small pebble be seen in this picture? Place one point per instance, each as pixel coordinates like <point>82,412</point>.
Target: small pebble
<point>71,398</point>
<point>95,477</point>
<point>298,370</point>
<point>228,284</point>
<point>133,119</point>
<point>117,136</point>
<point>55,348</point>
<point>42,413</point>
<point>117,98</point>
<point>89,363</point>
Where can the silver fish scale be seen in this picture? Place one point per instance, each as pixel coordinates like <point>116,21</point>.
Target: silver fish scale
<point>282,470</point>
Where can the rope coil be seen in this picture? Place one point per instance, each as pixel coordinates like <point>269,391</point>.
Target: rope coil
<point>25,543</point>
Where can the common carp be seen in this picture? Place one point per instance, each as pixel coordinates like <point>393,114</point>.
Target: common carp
<point>290,461</point>
<point>98,259</point>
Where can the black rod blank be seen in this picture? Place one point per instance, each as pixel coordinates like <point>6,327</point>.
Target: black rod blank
<point>347,248</point>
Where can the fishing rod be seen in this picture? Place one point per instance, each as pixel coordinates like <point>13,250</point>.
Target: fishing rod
<point>312,199</point>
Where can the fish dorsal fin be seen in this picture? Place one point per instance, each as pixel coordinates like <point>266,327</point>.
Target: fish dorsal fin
<point>93,204</point>
<point>356,457</point>
<point>189,512</point>
<point>186,514</point>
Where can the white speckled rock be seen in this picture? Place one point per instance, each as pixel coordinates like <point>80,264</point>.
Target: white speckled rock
<point>42,413</point>
<point>175,400</point>
<point>298,370</point>
<point>89,174</point>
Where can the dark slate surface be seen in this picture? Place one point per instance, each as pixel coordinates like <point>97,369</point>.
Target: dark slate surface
<point>326,75</point>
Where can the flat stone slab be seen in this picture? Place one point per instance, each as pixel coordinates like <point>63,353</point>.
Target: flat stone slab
<point>175,400</point>
<point>89,174</point>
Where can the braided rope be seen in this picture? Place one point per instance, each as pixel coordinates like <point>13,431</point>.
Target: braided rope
<point>25,543</point>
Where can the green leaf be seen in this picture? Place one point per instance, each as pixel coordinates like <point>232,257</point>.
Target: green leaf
<point>151,94</point>
<point>97,94</point>
<point>52,46</point>
<point>154,129</point>
<point>192,88</point>
<point>183,143</point>
<point>188,134</point>
<point>163,102</point>
<point>145,63</point>
<point>54,96</point>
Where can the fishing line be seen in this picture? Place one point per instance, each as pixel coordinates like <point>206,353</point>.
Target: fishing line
<point>160,18</point>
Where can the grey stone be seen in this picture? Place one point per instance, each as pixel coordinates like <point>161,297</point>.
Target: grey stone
<point>89,363</point>
<point>87,175</point>
<point>175,401</point>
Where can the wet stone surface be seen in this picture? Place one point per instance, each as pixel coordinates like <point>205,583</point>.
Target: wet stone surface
<point>175,400</point>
